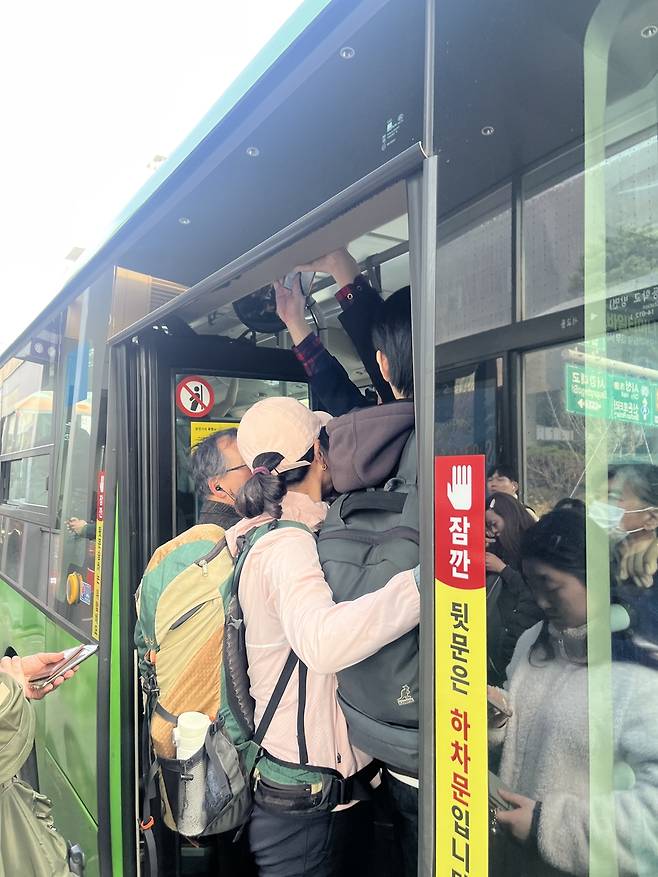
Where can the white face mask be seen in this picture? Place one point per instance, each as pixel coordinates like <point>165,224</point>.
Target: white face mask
<point>609,517</point>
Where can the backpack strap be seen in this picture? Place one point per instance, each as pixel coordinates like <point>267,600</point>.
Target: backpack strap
<point>408,466</point>
<point>372,501</point>
<point>279,690</point>
<point>292,661</point>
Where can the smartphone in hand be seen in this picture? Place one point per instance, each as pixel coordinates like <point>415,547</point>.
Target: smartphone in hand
<point>497,707</point>
<point>305,280</point>
<point>72,657</point>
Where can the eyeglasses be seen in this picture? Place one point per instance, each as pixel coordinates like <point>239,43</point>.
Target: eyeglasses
<point>226,490</point>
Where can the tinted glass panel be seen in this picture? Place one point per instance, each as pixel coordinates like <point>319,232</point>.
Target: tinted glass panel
<point>27,480</point>
<point>27,389</point>
<point>468,411</point>
<point>80,457</point>
<point>474,266</point>
<point>554,232</point>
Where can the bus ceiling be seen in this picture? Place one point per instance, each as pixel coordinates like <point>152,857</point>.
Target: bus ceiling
<point>257,173</point>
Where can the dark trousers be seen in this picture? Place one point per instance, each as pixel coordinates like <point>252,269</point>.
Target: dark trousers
<point>403,800</point>
<point>335,844</point>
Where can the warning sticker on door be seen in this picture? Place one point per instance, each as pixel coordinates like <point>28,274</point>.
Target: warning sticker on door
<point>200,431</point>
<point>194,396</point>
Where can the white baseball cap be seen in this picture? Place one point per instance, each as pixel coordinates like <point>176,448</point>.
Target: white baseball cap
<point>280,425</point>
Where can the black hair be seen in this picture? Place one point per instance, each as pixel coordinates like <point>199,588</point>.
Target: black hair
<point>570,502</point>
<point>208,461</point>
<point>504,470</point>
<point>262,494</point>
<point>517,521</point>
<point>391,333</point>
<point>558,540</point>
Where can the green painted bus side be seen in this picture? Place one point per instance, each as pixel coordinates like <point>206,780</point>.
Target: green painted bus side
<point>66,727</point>
<point>116,789</point>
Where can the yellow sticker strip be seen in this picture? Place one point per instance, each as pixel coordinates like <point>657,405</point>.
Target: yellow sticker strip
<point>462,821</point>
<point>98,565</point>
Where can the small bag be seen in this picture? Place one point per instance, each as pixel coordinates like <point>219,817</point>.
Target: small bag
<point>498,840</point>
<point>199,789</point>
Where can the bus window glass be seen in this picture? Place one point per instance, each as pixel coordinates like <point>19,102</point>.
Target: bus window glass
<point>80,457</point>
<point>552,239</point>
<point>554,435</point>
<point>27,394</point>
<point>27,384</point>
<point>24,555</point>
<point>475,268</point>
<point>468,410</point>
<point>27,481</point>
<point>554,233</point>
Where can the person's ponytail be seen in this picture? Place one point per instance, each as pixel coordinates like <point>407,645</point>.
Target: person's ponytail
<point>263,492</point>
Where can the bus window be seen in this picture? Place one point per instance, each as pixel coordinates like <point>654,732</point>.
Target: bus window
<point>475,293</point>
<point>27,390</point>
<point>80,459</point>
<point>26,480</point>
<point>468,410</point>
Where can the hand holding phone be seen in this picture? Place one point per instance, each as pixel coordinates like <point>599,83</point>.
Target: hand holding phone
<point>49,673</point>
<point>299,280</point>
<point>495,798</point>
<point>498,710</point>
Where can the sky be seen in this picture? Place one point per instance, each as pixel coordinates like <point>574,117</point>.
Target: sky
<point>91,93</point>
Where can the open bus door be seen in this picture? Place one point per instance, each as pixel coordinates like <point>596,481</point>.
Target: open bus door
<point>168,390</point>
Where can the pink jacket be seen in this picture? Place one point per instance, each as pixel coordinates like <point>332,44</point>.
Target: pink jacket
<point>288,604</point>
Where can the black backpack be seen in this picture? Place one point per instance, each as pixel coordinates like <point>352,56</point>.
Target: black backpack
<point>368,536</point>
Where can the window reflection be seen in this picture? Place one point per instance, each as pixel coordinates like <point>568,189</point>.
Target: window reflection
<point>80,457</point>
<point>553,224</point>
<point>474,268</point>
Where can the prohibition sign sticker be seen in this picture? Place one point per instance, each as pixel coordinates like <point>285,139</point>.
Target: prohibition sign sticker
<point>194,396</point>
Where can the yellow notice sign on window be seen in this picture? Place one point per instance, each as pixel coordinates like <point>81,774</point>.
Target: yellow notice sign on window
<point>200,431</point>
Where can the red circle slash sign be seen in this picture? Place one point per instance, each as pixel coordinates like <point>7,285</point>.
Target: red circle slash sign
<point>194,396</point>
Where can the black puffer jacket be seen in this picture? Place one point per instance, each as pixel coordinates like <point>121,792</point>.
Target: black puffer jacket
<point>511,609</point>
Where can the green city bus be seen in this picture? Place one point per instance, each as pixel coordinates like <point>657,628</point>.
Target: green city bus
<point>502,158</point>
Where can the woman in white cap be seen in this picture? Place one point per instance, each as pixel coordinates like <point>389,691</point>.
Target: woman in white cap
<point>306,818</point>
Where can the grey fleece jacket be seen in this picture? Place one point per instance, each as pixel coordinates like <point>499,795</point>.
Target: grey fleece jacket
<point>365,445</point>
<point>545,757</point>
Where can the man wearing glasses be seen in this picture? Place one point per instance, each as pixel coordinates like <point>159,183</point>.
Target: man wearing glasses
<point>219,472</point>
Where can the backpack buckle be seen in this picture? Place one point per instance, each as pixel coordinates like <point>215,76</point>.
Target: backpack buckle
<point>150,685</point>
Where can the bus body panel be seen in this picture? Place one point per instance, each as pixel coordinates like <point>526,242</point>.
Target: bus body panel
<point>70,726</point>
<point>72,819</point>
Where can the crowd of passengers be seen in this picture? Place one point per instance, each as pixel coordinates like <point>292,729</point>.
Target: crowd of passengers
<point>547,656</point>
<point>281,464</point>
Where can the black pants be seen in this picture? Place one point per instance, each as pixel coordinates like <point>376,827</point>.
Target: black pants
<point>403,800</point>
<point>336,844</point>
